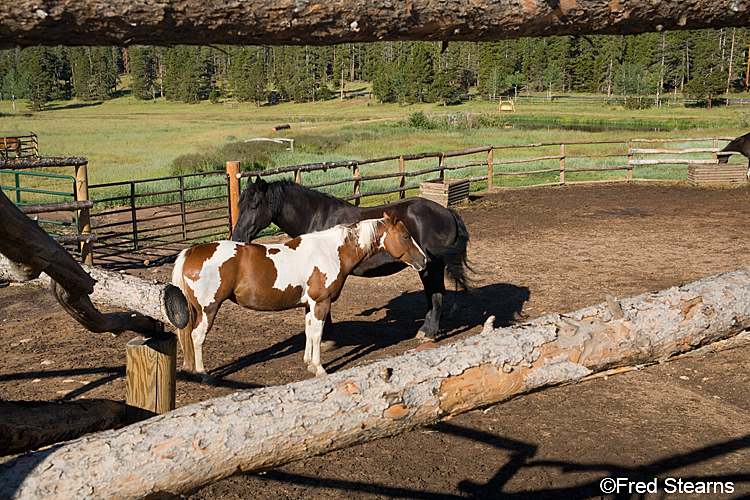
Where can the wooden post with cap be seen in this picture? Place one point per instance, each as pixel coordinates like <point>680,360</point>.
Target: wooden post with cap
<point>150,376</point>
<point>233,179</point>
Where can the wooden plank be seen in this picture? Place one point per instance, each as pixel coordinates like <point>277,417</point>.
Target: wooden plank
<point>675,151</point>
<point>701,174</point>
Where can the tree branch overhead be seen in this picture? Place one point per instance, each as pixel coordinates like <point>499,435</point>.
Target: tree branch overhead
<point>170,22</point>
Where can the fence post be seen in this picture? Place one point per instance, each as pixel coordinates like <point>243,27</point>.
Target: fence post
<point>630,160</point>
<point>233,179</point>
<point>183,207</point>
<point>150,376</point>
<point>17,182</point>
<point>133,216</point>
<point>441,173</point>
<point>716,146</point>
<point>489,170</point>
<point>355,174</point>
<point>298,176</point>
<point>34,145</point>
<point>562,163</point>
<point>401,179</point>
<point>84,216</point>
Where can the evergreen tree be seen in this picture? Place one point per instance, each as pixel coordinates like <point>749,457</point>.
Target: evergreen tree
<point>420,73</point>
<point>38,66</point>
<point>144,71</point>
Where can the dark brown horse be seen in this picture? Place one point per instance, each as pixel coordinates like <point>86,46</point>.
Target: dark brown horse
<point>439,231</point>
<point>739,145</point>
<point>307,271</point>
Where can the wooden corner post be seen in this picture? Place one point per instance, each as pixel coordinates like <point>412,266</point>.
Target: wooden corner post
<point>84,218</point>
<point>150,376</point>
<point>233,179</point>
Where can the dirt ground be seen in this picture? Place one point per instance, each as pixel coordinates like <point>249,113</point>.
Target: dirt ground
<point>535,252</point>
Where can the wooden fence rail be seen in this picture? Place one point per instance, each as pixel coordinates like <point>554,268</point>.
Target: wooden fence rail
<point>493,164</point>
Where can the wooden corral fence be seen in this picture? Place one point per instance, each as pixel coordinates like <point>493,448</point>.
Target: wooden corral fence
<point>166,212</point>
<point>81,204</point>
<point>177,452</point>
<point>18,145</point>
<point>495,165</point>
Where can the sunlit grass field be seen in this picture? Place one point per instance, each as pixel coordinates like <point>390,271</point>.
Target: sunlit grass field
<point>127,139</point>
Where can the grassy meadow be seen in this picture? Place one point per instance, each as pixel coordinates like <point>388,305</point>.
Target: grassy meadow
<point>127,139</point>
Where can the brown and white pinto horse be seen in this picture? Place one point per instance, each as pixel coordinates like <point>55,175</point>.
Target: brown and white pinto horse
<point>8,144</point>
<point>308,271</point>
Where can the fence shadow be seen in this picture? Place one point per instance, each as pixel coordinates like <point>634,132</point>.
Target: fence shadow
<point>521,456</point>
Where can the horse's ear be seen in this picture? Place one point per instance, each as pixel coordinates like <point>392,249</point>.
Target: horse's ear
<point>260,183</point>
<point>393,219</point>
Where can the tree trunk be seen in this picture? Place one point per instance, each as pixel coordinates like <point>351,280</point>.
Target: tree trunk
<point>159,301</point>
<point>185,449</point>
<point>31,251</point>
<point>28,425</point>
<point>286,22</point>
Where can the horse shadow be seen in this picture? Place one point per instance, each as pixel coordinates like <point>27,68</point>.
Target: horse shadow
<point>356,339</point>
<point>462,311</point>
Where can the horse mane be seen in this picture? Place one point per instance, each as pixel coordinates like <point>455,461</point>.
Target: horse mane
<point>366,233</point>
<point>278,189</point>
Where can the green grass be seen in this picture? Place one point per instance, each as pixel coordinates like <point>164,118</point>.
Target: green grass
<point>126,139</point>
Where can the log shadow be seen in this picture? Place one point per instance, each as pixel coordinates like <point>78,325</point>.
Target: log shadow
<point>107,374</point>
<point>293,345</point>
<point>521,456</point>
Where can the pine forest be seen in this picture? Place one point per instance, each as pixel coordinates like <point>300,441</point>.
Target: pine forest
<point>698,65</point>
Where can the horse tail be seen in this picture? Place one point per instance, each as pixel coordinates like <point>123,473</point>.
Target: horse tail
<point>177,278</point>
<point>184,334</point>
<point>454,256</point>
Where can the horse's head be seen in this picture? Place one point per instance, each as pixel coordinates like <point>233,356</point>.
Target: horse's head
<point>400,245</point>
<point>255,212</point>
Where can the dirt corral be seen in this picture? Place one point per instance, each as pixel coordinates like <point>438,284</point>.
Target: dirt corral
<point>535,252</point>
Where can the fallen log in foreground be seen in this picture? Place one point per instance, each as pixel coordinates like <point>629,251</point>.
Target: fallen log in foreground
<point>185,449</point>
<point>159,301</point>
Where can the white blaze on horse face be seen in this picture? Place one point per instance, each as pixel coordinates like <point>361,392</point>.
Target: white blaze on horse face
<point>294,266</point>
<point>209,281</point>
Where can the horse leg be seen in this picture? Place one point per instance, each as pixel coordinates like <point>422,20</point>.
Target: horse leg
<point>433,280</point>
<point>186,342</point>
<point>314,323</point>
<point>198,336</point>
<point>188,351</point>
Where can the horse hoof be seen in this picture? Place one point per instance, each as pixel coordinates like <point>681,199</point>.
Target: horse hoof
<point>207,379</point>
<point>423,336</point>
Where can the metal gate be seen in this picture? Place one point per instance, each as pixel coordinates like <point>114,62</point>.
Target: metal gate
<point>133,216</point>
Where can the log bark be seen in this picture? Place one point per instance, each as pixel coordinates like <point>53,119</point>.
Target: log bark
<point>31,251</point>
<point>24,163</point>
<point>28,425</point>
<point>162,302</point>
<point>187,448</point>
<point>286,22</point>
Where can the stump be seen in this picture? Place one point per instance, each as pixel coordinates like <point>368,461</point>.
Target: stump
<point>717,173</point>
<point>445,191</point>
<point>150,376</point>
